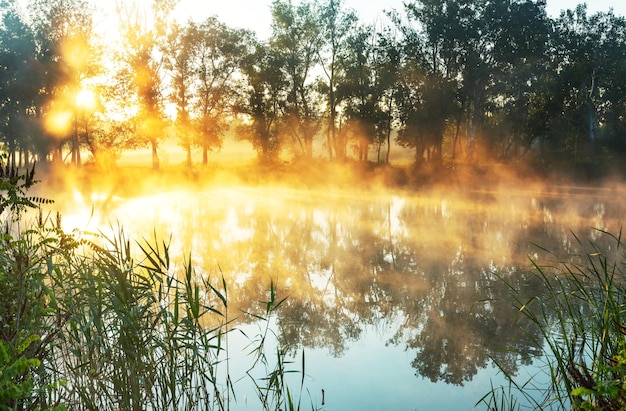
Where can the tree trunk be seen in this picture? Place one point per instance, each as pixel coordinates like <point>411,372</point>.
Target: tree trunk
<point>389,130</point>
<point>155,155</point>
<point>474,126</point>
<point>591,129</point>
<point>74,148</point>
<point>456,136</point>
<point>591,109</point>
<point>388,145</point>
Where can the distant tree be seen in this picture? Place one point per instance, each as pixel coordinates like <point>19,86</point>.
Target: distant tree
<point>219,52</point>
<point>110,126</point>
<point>387,60</point>
<point>579,46</point>
<point>179,61</point>
<point>442,48</point>
<point>263,100</point>
<point>202,60</point>
<point>446,75</point>
<point>419,99</point>
<point>357,93</point>
<point>142,31</point>
<point>107,139</point>
<point>612,115</point>
<point>337,24</point>
<point>483,69</point>
<point>590,56</point>
<point>370,67</point>
<point>18,84</point>
<point>518,97</point>
<point>63,31</point>
<point>296,40</point>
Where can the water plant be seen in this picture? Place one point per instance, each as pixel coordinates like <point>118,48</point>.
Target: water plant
<point>26,327</point>
<point>582,323</point>
<point>93,321</point>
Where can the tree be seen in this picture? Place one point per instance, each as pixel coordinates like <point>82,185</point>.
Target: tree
<point>296,39</point>
<point>202,61</point>
<point>435,58</point>
<point>357,93</point>
<point>419,99</point>
<point>612,118</point>
<point>387,65</point>
<point>263,100</point>
<point>18,84</point>
<point>219,53</point>
<point>370,68</point>
<point>481,67</point>
<point>179,59</point>
<point>63,30</point>
<point>518,97</point>
<point>141,33</point>
<point>591,52</point>
<point>337,24</point>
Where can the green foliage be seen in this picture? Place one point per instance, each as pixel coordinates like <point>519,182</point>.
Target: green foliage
<point>28,323</point>
<point>581,322</point>
<point>117,331</point>
<point>13,186</point>
<point>16,380</point>
<point>143,333</point>
<point>608,393</point>
<point>18,374</point>
<point>449,76</point>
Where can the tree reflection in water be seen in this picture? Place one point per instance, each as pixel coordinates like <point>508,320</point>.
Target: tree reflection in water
<point>429,263</point>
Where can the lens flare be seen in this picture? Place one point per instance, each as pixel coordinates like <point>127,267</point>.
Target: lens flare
<point>59,123</point>
<point>86,100</point>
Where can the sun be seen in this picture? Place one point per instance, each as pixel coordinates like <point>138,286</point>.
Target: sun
<point>86,99</point>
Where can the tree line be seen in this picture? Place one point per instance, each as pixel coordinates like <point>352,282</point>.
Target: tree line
<point>447,79</point>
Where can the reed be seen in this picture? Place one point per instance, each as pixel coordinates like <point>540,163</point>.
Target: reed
<point>273,390</point>
<point>581,321</point>
<point>93,321</point>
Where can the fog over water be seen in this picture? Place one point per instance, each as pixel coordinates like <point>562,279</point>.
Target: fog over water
<point>390,183</point>
<point>394,295</point>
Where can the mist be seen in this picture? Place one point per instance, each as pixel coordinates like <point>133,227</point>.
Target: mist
<point>363,193</point>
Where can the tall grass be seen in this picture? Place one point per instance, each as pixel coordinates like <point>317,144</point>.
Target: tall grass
<point>582,325</point>
<point>134,339</point>
<point>93,322</point>
<point>272,390</point>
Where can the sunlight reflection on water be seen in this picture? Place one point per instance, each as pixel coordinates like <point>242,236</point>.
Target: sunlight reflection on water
<point>394,298</point>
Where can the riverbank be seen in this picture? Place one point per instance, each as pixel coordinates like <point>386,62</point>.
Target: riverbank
<point>453,177</point>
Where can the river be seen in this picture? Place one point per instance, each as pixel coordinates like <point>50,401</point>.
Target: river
<point>397,300</point>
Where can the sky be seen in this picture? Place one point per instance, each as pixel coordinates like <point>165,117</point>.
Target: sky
<point>255,14</point>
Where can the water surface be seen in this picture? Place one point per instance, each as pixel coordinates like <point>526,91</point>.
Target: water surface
<point>396,299</point>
